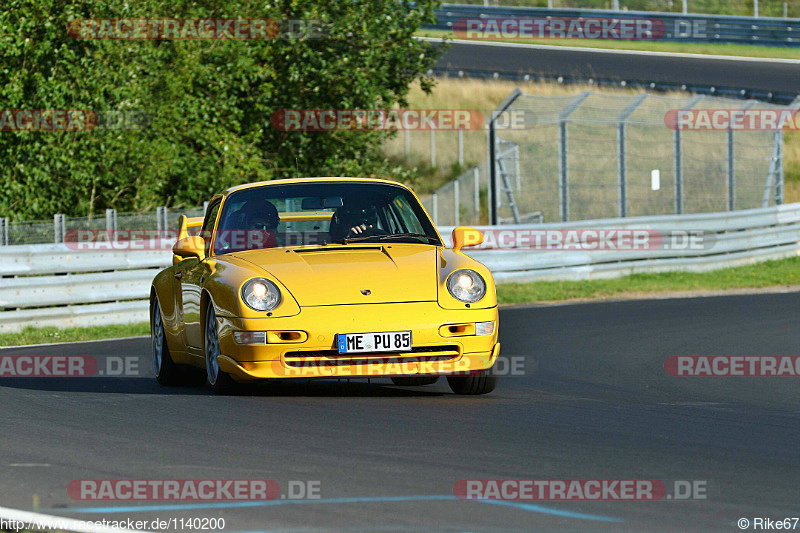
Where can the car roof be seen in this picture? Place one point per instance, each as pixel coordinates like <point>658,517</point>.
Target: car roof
<point>293,181</point>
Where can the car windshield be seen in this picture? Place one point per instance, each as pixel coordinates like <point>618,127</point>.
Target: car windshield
<point>321,213</point>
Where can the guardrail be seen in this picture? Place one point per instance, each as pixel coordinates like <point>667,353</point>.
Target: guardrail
<point>52,285</point>
<point>677,27</point>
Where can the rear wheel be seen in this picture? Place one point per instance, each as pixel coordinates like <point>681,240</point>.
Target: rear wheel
<point>167,373</point>
<point>220,382</point>
<point>482,383</point>
<point>415,381</point>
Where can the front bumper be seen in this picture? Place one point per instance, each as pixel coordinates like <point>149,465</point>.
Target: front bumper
<point>313,353</point>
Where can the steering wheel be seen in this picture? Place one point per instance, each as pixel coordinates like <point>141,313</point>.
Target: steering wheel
<point>368,232</point>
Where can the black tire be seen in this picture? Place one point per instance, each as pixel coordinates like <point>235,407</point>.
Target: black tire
<point>482,383</point>
<point>167,372</point>
<point>415,381</point>
<point>219,381</point>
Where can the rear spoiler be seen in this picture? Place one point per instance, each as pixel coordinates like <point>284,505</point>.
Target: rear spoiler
<point>189,226</point>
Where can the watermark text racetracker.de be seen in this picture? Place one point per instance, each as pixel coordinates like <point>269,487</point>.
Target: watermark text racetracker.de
<point>192,490</point>
<point>732,119</point>
<point>68,366</point>
<point>398,119</point>
<point>628,239</point>
<point>72,120</point>
<point>733,365</point>
<point>197,29</point>
<point>579,489</point>
<point>626,29</point>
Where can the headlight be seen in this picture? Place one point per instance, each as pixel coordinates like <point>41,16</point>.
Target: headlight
<point>466,285</point>
<point>261,294</point>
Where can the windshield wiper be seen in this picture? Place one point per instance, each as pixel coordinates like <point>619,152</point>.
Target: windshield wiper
<point>431,240</point>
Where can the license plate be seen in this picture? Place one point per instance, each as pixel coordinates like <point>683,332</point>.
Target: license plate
<point>384,341</point>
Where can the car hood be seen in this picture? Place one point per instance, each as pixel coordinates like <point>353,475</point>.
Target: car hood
<point>353,273</point>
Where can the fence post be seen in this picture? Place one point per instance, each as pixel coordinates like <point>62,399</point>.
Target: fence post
<point>492,140</point>
<point>111,220</point>
<point>731,172</point>
<point>678,171</point>
<point>779,169</point>
<point>622,164</point>
<point>161,218</point>
<point>679,159</point>
<point>563,182</point>
<point>476,176</point>
<point>3,231</point>
<point>460,146</point>
<point>435,205</point>
<point>433,148</point>
<point>456,203</point>
<point>59,228</point>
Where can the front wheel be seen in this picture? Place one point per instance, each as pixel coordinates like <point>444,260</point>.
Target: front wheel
<point>166,371</point>
<point>481,383</point>
<point>220,382</point>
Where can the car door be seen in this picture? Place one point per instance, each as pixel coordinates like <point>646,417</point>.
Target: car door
<point>191,279</point>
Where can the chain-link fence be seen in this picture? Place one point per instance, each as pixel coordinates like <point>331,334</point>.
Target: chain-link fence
<point>591,156</point>
<point>54,231</point>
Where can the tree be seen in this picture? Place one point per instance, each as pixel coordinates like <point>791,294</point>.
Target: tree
<point>208,102</point>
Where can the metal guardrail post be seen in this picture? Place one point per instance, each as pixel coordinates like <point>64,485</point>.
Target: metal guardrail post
<point>59,228</point>
<point>3,231</point>
<point>563,170</point>
<point>622,164</point>
<point>205,207</point>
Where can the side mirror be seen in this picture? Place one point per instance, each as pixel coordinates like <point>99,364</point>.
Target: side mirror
<point>190,247</point>
<point>466,236</point>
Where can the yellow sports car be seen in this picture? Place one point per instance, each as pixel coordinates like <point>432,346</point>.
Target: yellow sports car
<point>324,277</point>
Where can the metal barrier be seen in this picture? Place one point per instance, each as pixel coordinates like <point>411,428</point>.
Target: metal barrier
<point>678,27</point>
<point>51,285</point>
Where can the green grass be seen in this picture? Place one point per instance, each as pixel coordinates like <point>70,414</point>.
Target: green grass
<point>47,335</point>
<point>782,272</point>
<point>650,46</point>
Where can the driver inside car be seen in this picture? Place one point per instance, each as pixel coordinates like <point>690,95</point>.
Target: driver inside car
<point>261,222</point>
<point>355,220</point>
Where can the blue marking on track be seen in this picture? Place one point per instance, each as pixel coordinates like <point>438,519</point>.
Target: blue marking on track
<point>521,506</point>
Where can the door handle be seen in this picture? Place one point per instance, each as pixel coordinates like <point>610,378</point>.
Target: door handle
<point>178,275</point>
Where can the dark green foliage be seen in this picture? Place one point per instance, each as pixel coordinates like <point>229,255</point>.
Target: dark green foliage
<point>209,102</point>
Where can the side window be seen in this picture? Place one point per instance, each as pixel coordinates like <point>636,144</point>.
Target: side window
<point>407,216</point>
<point>208,223</point>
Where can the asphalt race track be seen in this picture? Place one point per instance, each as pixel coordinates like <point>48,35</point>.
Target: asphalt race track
<point>552,61</point>
<point>594,403</point>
